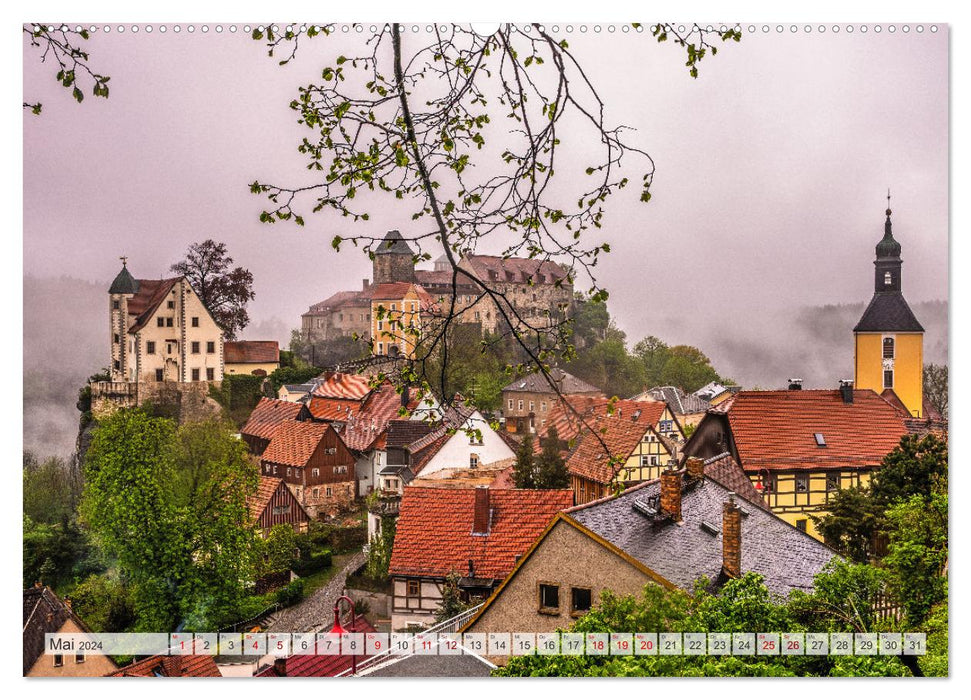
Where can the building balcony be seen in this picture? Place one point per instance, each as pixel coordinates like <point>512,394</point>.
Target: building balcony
<point>383,502</point>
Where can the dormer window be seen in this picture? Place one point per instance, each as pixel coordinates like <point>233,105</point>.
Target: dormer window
<point>887,278</point>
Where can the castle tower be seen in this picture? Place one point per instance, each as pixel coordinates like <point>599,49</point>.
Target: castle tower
<point>394,260</point>
<point>120,292</point>
<point>889,340</point>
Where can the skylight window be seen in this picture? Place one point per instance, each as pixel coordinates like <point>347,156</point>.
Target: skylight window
<point>820,440</point>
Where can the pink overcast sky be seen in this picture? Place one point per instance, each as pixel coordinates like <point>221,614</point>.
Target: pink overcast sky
<point>772,170</point>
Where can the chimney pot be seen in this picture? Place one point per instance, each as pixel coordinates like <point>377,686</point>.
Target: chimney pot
<point>731,537</point>
<point>480,516</point>
<point>695,468</point>
<point>671,493</point>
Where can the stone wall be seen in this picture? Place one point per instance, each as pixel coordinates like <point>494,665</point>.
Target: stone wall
<point>379,604</point>
<point>189,401</point>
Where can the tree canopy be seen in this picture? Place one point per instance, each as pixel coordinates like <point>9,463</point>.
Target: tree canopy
<point>224,290</point>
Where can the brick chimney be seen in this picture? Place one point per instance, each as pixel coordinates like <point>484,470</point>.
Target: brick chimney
<point>480,514</point>
<point>731,537</point>
<point>695,468</point>
<point>280,665</point>
<point>846,390</point>
<point>367,283</point>
<point>671,493</point>
<point>795,384</point>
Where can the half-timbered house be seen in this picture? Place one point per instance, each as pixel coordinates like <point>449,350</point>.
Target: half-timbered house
<point>275,504</point>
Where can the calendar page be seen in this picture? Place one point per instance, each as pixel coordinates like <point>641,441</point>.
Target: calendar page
<point>416,349</point>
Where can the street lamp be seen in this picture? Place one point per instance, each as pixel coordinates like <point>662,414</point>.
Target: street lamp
<point>338,630</point>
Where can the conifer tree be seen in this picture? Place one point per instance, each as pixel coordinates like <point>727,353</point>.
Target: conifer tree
<point>551,472</point>
<point>524,472</point>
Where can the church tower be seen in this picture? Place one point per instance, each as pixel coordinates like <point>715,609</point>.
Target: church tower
<point>889,347</point>
<point>394,260</point>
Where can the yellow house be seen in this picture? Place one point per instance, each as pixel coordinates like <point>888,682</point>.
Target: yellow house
<point>644,435</point>
<point>398,310</point>
<point>799,447</point>
<point>259,357</point>
<point>889,340</point>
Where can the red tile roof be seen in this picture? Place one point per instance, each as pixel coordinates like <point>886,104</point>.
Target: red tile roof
<point>294,443</point>
<point>172,667</point>
<point>433,536</point>
<point>333,409</point>
<point>725,470</point>
<point>366,425</point>
<point>341,385</point>
<point>775,429</point>
<point>149,295</point>
<point>340,300</point>
<point>521,269</point>
<point>255,351</point>
<point>321,666</point>
<point>268,415</point>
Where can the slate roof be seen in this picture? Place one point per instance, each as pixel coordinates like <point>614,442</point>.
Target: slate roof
<point>427,666</point>
<point>194,666</point>
<point>681,553</point>
<point>521,269</point>
<point>434,532</point>
<point>538,383</point>
<point>123,283</point>
<point>44,612</point>
<point>402,433</point>
<point>681,403</point>
<point>320,666</point>
<point>620,431</point>
<point>255,351</point>
<point>888,312</point>
<point>393,244</point>
<point>775,429</point>
<point>268,415</point>
<point>294,443</point>
<point>725,470</point>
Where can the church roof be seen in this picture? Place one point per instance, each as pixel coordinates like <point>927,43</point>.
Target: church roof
<point>393,244</point>
<point>888,312</point>
<point>124,283</point>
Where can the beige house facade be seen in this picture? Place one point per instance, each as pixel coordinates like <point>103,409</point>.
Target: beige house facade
<point>160,331</point>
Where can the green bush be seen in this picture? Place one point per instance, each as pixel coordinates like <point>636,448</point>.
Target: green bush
<point>312,564</point>
<point>290,594</point>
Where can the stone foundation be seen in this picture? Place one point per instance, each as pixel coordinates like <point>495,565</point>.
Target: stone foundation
<point>190,400</point>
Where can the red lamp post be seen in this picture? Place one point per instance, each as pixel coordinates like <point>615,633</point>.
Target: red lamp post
<point>338,630</point>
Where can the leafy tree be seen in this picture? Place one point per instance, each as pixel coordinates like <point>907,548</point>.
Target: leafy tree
<point>60,43</point>
<point>379,552</point>
<point>51,489</point>
<point>333,351</point>
<point>104,603</point>
<point>653,354</point>
<point>912,468</point>
<point>551,472</point>
<point>224,290</point>
<point>688,368</point>
<point>293,375</point>
<point>935,387</point>
<point>453,601</point>
<point>591,320</point>
<point>279,549</point>
<point>58,554</point>
<point>935,662</point>
<point>854,520</point>
<point>917,554</point>
<point>608,366</point>
<point>170,504</point>
<point>524,471</point>
<point>842,599</point>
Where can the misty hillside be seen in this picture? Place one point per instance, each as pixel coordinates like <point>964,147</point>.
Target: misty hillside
<point>66,340</point>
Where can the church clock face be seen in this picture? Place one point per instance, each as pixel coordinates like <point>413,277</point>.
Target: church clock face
<point>888,363</point>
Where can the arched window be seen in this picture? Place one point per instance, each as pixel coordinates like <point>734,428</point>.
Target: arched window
<point>888,348</point>
<point>887,278</point>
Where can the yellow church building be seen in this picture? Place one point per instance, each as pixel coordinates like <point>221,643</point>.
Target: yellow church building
<point>889,347</point>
